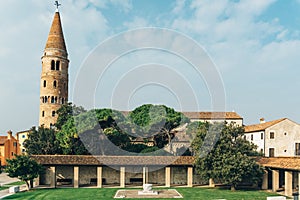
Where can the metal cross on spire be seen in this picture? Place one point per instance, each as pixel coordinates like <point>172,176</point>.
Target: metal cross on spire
<point>57,4</point>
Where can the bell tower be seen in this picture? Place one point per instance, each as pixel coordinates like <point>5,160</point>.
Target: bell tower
<point>54,76</point>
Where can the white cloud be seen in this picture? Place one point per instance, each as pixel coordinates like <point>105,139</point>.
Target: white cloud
<point>126,5</point>
<point>137,22</point>
<point>246,48</point>
<point>253,54</point>
<point>179,6</point>
<point>23,36</point>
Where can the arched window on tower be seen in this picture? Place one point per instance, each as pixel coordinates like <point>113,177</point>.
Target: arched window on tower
<point>45,83</point>
<point>55,100</point>
<point>46,99</point>
<point>52,65</point>
<point>52,99</point>
<point>53,113</point>
<point>54,84</point>
<point>57,65</point>
<point>62,101</point>
<point>43,113</point>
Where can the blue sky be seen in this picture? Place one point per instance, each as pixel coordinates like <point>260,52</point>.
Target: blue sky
<point>254,44</point>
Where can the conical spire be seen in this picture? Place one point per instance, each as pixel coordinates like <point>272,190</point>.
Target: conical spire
<point>56,37</point>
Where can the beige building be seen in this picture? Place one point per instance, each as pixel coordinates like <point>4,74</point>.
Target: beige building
<point>54,76</point>
<point>21,137</point>
<point>277,138</point>
<point>215,117</point>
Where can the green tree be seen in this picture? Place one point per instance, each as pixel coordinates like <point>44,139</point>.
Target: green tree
<point>23,168</point>
<point>42,142</point>
<point>95,127</point>
<point>69,140</point>
<point>223,154</point>
<point>85,129</point>
<point>117,137</point>
<point>67,134</point>
<point>156,120</point>
<point>65,112</point>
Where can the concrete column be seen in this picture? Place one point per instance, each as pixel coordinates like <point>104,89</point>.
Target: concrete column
<point>288,183</point>
<point>76,177</point>
<point>122,177</point>
<point>275,180</point>
<point>211,182</point>
<point>168,176</point>
<point>37,181</point>
<point>264,185</point>
<point>99,177</point>
<point>190,176</point>
<point>145,175</point>
<point>52,177</point>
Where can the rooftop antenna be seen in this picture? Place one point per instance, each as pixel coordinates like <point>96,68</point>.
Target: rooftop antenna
<point>57,4</point>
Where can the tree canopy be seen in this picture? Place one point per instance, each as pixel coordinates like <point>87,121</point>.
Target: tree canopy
<point>100,131</point>
<point>223,154</point>
<point>65,112</point>
<point>156,121</point>
<point>23,168</point>
<point>151,122</point>
<point>42,142</point>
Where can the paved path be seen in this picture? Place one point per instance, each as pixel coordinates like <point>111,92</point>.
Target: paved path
<point>4,180</point>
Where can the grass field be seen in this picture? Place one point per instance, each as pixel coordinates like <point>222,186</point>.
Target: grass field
<point>108,193</point>
<point>11,184</point>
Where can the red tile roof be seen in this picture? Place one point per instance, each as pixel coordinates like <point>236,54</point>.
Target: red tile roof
<point>262,126</point>
<point>212,115</point>
<point>291,163</point>
<point>205,115</point>
<point>112,160</point>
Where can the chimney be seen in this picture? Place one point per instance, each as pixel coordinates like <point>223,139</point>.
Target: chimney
<point>262,120</point>
<point>9,134</point>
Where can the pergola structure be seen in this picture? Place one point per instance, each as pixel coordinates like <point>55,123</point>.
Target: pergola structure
<point>116,170</point>
<point>282,173</point>
<point>79,170</point>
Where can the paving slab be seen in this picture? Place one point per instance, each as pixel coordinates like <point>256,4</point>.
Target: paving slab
<point>162,193</point>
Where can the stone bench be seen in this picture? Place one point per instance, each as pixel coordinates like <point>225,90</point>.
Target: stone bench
<point>14,189</point>
<point>64,181</point>
<point>136,180</point>
<point>94,181</point>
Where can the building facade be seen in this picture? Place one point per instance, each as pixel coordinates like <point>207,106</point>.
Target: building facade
<point>9,147</point>
<point>21,137</point>
<point>277,138</point>
<point>212,117</point>
<point>54,76</point>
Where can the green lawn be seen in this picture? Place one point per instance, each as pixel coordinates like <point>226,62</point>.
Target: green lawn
<point>12,184</point>
<point>108,193</point>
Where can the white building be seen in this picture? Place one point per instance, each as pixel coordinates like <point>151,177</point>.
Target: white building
<point>278,138</point>
<point>212,117</point>
<point>21,137</point>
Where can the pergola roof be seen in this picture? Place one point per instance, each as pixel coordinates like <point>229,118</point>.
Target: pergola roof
<point>289,163</point>
<point>112,160</point>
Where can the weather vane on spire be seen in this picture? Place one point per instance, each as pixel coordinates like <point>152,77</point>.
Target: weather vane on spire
<point>57,4</point>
